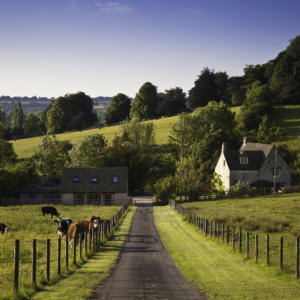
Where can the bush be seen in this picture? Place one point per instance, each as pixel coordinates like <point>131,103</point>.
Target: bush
<point>165,188</point>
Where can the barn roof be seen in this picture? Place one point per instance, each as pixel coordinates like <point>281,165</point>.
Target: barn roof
<point>95,180</point>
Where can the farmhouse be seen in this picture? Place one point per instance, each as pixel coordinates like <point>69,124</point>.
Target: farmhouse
<point>258,165</point>
<point>98,186</point>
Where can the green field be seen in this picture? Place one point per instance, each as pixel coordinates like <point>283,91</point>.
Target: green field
<point>215,269</point>
<point>28,223</point>
<point>27,147</point>
<point>288,118</point>
<point>278,216</point>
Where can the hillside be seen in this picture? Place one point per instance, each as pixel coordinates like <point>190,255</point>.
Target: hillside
<point>288,118</point>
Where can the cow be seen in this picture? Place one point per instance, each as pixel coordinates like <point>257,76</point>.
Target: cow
<point>49,210</point>
<point>82,226</point>
<point>63,226</point>
<point>4,228</point>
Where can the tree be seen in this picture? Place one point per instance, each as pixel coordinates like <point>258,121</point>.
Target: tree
<point>71,112</point>
<point>33,126</point>
<point>144,103</point>
<point>285,79</point>
<point>204,90</point>
<point>267,131</point>
<point>7,153</point>
<point>257,104</point>
<point>119,109</point>
<point>90,152</point>
<point>17,120</point>
<point>171,102</point>
<point>237,93</point>
<point>52,156</point>
<point>222,82</point>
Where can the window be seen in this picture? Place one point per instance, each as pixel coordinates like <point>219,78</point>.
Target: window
<point>277,173</point>
<point>115,179</point>
<point>243,159</point>
<point>94,179</point>
<point>224,163</point>
<point>75,179</point>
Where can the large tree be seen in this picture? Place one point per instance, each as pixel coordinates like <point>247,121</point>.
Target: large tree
<point>7,153</point>
<point>118,109</point>
<point>90,152</point>
<point>171,102</point>
<point>52,156</point>
<point>204,90</point>
<point>145,102</point>
<point>285,80</point>
<point>33,126</point>
<point>71,112</point>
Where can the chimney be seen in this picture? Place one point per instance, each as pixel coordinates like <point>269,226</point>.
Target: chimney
<point>223,147</point>
<point>244,140</point>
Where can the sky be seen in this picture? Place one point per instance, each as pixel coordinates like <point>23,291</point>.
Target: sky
<point>54,47</point>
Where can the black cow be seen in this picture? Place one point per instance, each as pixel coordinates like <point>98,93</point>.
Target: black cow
<point>50,210</point>
<point>63,226</point>
<point>4,228</point>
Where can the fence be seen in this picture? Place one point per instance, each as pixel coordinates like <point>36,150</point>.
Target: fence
<point>264,249</point>
<point>25,261</point>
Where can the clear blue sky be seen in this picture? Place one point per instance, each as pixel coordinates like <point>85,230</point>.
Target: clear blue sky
<point>53,47</point>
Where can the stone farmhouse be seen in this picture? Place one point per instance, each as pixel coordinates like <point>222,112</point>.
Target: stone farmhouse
<point>258,165</point>
<point>98,186</point>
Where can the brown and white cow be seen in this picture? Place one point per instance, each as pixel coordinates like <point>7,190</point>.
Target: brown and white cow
<point>82,226</point>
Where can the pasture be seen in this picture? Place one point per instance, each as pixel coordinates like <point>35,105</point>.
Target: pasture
<point>27,147</point>
<point>214,268</point>
<point>278,216</point>
<point>28,223</point>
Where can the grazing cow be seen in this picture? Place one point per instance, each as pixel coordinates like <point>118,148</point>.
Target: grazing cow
<point>4,228</point>
<point>63,226</point>
<point>82,226</point>
<point>50,210</point>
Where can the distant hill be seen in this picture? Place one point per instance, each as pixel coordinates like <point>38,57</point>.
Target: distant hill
<point>38,104</point>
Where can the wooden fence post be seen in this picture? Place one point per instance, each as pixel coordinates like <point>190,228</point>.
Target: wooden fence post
<point>247,244</point>
<point>33,275</point>
<point>48,260</point>
<point>16,264</point>
<point>67,252</point>
<point>281,253</point>
<point>80,245</point>
<point>59,256</point>
<point>240,240</point>
<point>74,250</point>
<point>227,237</point>
<point>268,249</point>
<point>256,248</point>
<point>233,238</point>
<point>206,227</point>
<point>85,244</point>
<point>297,257</point>
<point>90,242</point>
<point>223,232</point>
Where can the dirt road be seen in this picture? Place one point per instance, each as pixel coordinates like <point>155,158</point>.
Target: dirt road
<point>145,270</point>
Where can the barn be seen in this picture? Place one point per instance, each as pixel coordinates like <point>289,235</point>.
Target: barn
<point>98,186</point>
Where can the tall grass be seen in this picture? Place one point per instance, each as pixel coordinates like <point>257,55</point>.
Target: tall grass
<point>28,223</point>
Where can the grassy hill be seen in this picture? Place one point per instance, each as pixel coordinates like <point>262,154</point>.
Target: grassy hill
<point>27,147</point>
<point>288,118</point>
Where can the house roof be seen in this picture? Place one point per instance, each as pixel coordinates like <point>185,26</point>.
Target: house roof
<point>255,160</point>
<point>103,184</point>
<point>265,148</point>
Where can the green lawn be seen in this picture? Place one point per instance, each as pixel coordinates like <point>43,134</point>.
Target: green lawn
<point>28,223</point>
<point>214,269</point>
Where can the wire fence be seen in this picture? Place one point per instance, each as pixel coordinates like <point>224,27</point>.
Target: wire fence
<point>31,262</point>
<point>270,249</point>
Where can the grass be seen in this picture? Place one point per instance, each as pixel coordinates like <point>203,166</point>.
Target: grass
<point>27,223</point>
<point>92,272</point>
<point>214,269</point>
<point>27,147</point>
<point>277,215</point>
